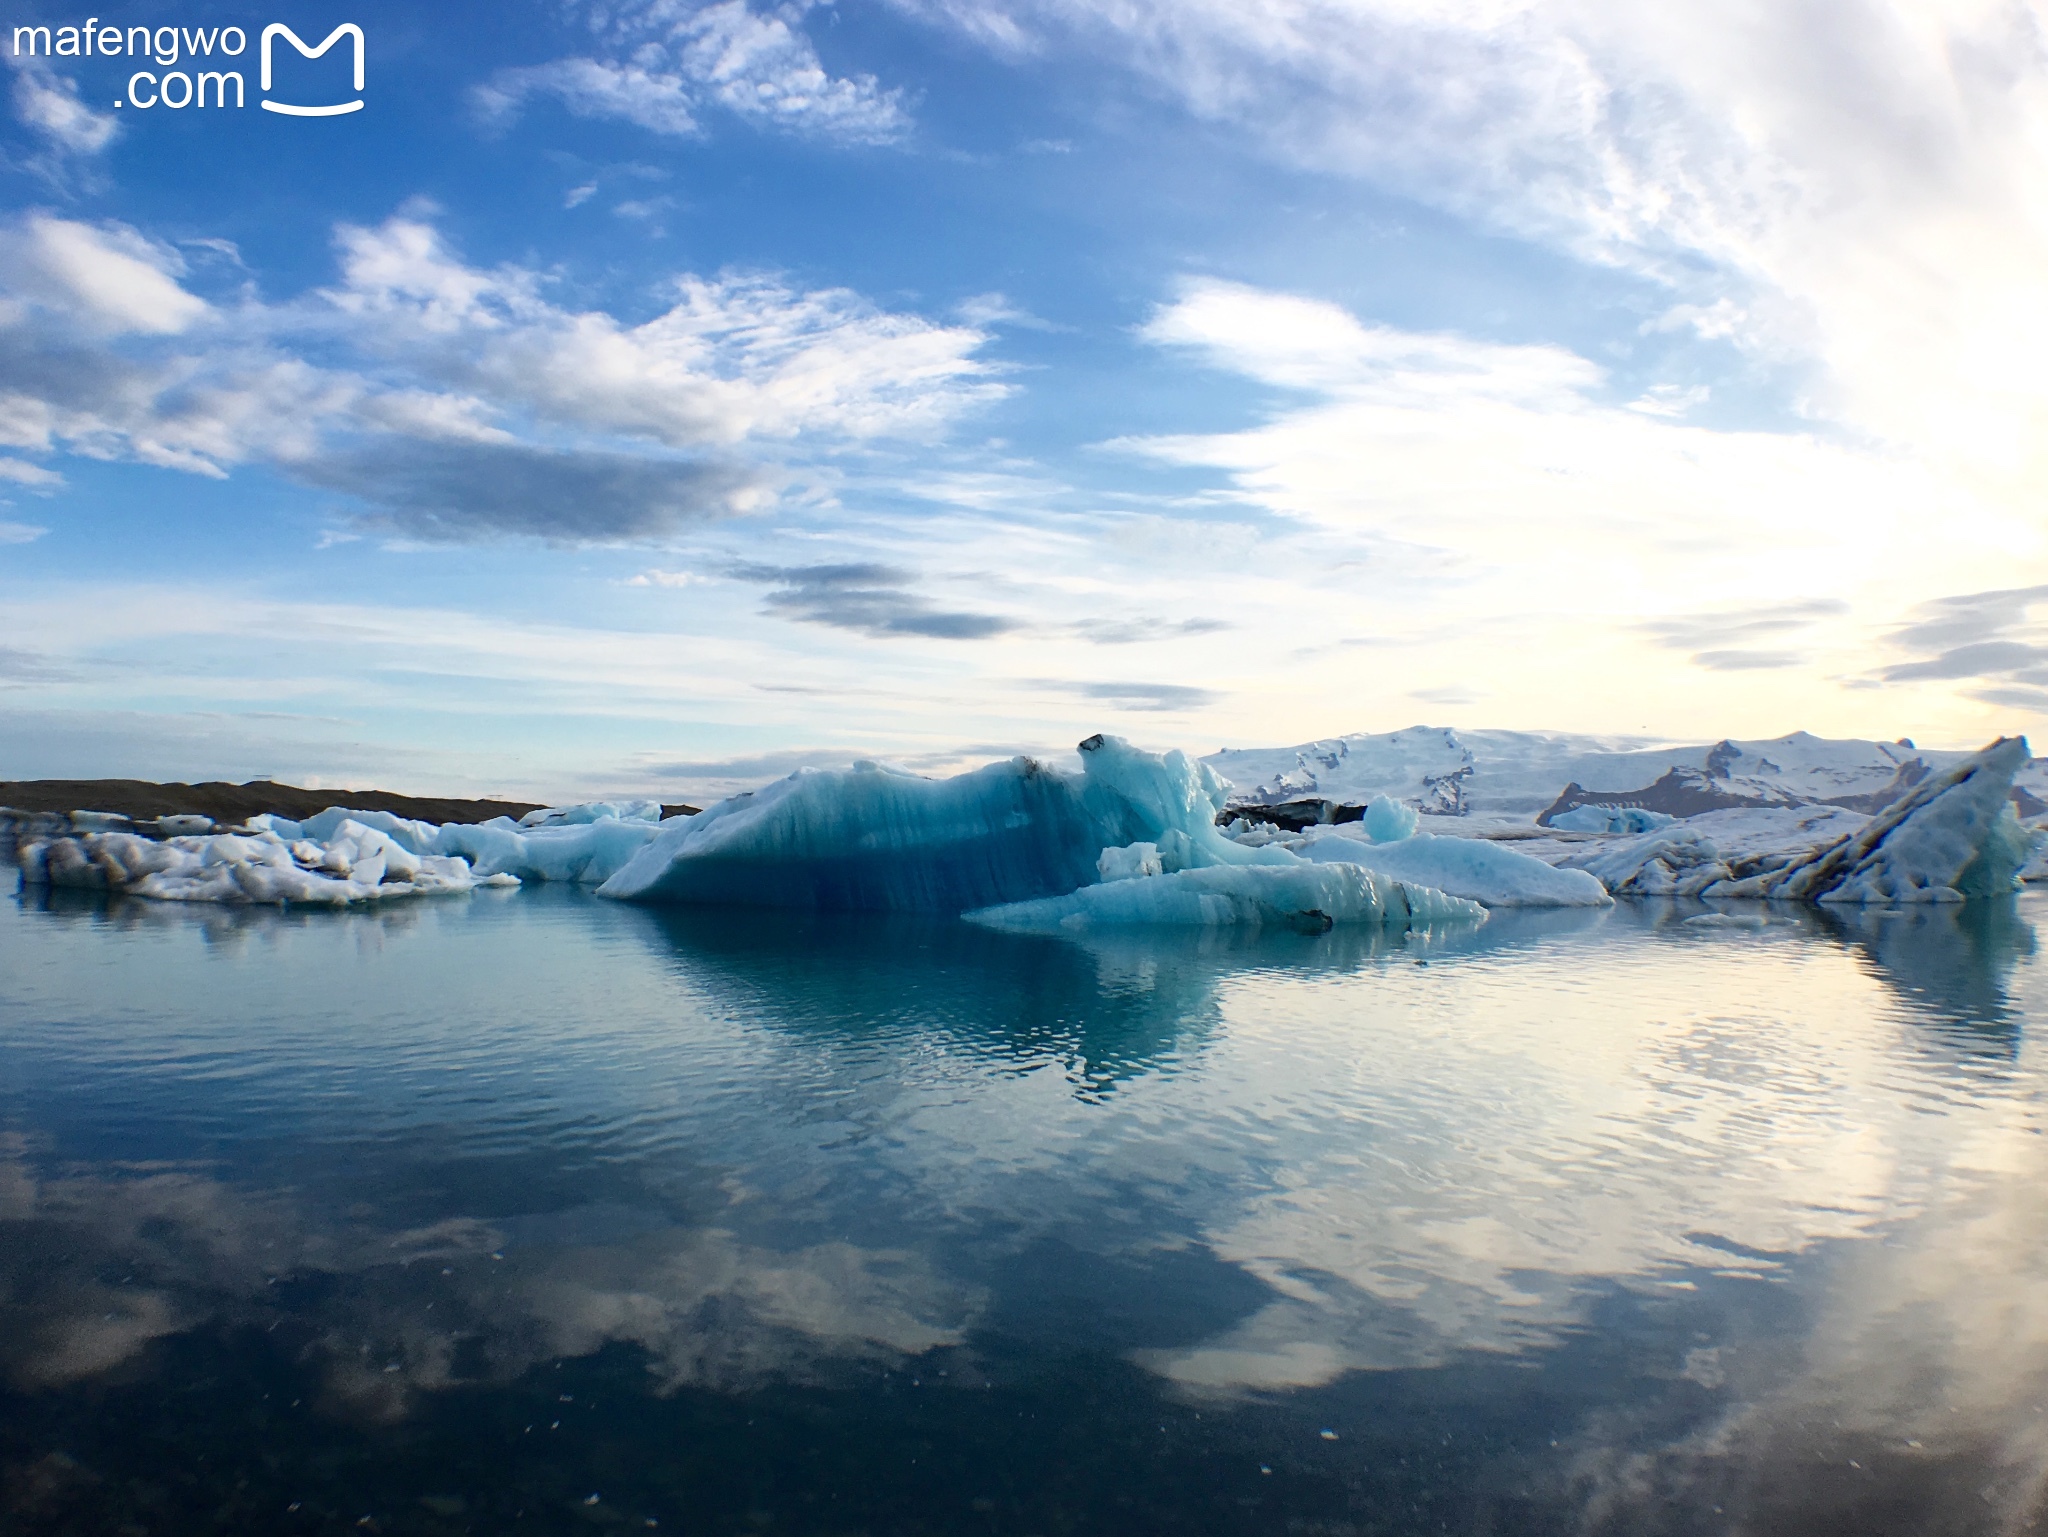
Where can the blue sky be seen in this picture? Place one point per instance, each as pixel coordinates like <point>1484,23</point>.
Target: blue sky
<point>654,397</point>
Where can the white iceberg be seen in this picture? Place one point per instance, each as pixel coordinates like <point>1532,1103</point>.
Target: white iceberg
<point>584,844</point>
<point>1308,898</point>
<point>593,811</point>
<point>356,864</point>
<point>1955,835</point>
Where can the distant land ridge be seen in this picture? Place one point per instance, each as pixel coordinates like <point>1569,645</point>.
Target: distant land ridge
<point>224,802</point>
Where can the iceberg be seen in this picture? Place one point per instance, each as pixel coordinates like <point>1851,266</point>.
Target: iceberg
<point>1387,820</point>
<point>357,863</point>
<point>1480,871</point>
<point>584,844</point>
<point>1307,898</point>
<point>880,838</point>
<point>1953,836</point>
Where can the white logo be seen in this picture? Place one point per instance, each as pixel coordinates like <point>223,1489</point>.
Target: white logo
<point>346,29</point>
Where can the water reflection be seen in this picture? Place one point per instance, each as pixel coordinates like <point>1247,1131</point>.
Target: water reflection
<point>1746,1202</point>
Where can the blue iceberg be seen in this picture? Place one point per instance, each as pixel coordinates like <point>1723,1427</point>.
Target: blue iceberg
<point>874,837</point>
<point>1307,898</point>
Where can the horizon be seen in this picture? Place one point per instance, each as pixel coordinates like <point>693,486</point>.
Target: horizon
<point>641,395</point>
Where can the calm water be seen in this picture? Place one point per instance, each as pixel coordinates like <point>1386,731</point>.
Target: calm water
<point>532,1213</point>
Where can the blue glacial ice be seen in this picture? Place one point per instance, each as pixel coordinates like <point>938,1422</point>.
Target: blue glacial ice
<point>877,837</point>
<point>1388,820</point>
<point>1308,898</point>
<point>1611,819</point>
<point>1131,840</point>
<point>1490,874</point>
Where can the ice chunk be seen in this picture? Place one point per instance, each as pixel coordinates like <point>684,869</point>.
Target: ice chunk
<point>416,837</point>
<point>1488,873</point>
<point>1133,863</point>
<point>1611,819</point>
<point>1389,821</point>
<point>878,837</point>
<point>1679,862</point>
<point>593,811</point>
<point>1306,897</point>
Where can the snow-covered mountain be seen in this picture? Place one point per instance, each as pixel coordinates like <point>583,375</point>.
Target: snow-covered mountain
<point>1523,776</point>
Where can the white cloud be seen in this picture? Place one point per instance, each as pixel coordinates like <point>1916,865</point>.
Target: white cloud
<point>20,533</point>
<point>50,105</point>
<point>1522,517</point>
<point>106,278</point>
<point>676,60</point>
<point>591,88</point>
<point>1851,185</point>
<point>459,401</point>
<point>736,357</point>
<point>23,473</point>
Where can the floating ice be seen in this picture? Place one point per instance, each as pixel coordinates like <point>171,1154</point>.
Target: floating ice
<point>1954,835</point>
<point>1308,898</point>
<point>1133,863</point>
<point>584,853</point>
<point>357,864</point>
<point>1611,819</point>
<point>877,837</point>
<point>1490,874</point>
<point>593,811</point>
<point>584,844</point>
<point>1389,821</point>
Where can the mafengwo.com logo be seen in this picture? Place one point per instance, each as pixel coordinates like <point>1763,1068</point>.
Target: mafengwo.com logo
<point>197,48</point>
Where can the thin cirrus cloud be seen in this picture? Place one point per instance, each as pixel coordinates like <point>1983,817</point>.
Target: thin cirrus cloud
<point>1161,697</point>
<point>457,403</point>
<point>456,491</point>
<point>72,134</point>
<point>667,65</point>
<point>869,598</point>
<point>1729,640</point>
<point>1987,642</point>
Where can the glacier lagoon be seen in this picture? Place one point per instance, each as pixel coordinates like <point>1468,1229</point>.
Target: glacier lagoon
<point>527,1211</point>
